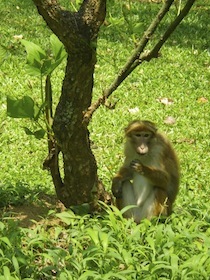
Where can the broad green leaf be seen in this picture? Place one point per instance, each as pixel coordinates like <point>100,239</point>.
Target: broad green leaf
<point>35,54</point>
<point>174,263</point>
<point>94,235</point>
<point>104,237</point>
<point>52,66</point>
<point>38,111</point>
<point>2,226</point>
<point>87,274</point>
<point>64,276</point>
<point>46,67</point>
<point>1,253</point>
<point>126,208</point>
<point>39,134</point>
<point>151,242</point>
<point>6,241</point>
<point>20,108</point>
<point>39,63</point>
<point>57,48</point>
<point>36,58</point>
<point>66,217</point>
<point>28,131</point>
<point>16,265</point>
<point>7,274</point>
<point>33,71</point>
<point>112,275</point>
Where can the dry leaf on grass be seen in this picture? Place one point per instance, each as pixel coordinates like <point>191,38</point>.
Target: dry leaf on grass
<point>170,120</point>
<point>166,101</point>
<point>133,110</point>
<point>202,100</point>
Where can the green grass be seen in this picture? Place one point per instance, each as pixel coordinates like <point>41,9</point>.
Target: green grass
<point>67,246</point>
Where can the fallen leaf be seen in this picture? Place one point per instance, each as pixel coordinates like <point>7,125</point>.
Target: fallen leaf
<point>202,100</point>
<point>133,110</point>
<point>166,101</point>
<point>170,120</point>
<point>185,140</point>
<point>18,37</point>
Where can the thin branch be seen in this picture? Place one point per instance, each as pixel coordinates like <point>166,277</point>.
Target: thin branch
<point>138,56</point>
<point>154,53</point>
<point>123,73</point>
<point>143,42</point>
<point>173,25</point>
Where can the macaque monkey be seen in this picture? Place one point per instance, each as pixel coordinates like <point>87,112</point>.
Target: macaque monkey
<point>149,177</point>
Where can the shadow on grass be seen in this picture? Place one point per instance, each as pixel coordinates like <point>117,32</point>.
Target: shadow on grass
<point>25,206</point>
<point>192,30</point>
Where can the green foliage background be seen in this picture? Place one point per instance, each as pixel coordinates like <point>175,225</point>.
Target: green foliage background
<point>67,246</point>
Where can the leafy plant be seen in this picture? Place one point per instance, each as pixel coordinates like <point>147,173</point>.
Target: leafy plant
<point>40,64</point>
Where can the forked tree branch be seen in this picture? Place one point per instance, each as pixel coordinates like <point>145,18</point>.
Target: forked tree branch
<point>93,13</point>
<point>66,24</point>
<point>139,55</point>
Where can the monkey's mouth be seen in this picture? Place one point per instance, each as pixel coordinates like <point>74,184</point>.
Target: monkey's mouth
<point>142,153</point>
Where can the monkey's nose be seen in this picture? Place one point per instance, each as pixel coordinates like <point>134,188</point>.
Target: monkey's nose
<point>142,151</point>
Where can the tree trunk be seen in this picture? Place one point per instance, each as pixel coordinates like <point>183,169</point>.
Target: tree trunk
<point>80,171</point>
<point>78,32</point>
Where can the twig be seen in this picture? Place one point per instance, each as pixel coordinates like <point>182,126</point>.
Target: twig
<point>139,55</point>
<point>154,53</point>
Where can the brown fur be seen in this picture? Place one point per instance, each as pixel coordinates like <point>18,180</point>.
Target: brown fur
<point>155,173</point>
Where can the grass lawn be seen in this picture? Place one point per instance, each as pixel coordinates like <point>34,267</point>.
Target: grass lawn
<point>39,239</point>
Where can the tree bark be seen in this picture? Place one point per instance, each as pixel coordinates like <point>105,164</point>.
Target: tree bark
<point>78,32</point>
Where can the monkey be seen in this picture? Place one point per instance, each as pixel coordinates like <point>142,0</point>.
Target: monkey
<point>149,177</point>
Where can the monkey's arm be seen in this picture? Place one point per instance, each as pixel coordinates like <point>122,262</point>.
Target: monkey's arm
<point>159,177</point>
<point>124,174</point>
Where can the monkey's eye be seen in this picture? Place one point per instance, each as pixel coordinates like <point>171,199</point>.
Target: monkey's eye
<point>146,135</point>
<point>138,135</point>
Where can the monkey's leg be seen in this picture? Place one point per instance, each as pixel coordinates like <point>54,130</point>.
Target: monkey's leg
<point>147,208</point>
<point>142,188</point>
<point>128,198</point>
<point>162,203</point>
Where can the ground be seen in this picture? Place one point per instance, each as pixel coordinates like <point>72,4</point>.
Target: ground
<point>28,215</point>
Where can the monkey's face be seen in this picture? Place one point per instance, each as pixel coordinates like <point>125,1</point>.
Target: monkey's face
<point>141,141</point>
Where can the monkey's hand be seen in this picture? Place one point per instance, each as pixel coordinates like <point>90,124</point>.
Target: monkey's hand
<point>137,166</point>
